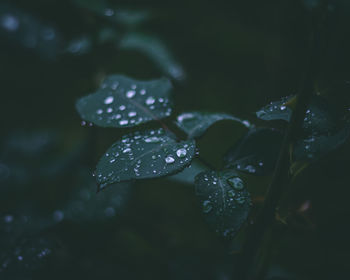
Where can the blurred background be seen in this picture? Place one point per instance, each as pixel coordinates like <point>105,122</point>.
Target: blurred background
<point>222,56</point>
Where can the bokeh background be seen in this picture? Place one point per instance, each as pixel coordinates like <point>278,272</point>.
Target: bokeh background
<point>222,56</point>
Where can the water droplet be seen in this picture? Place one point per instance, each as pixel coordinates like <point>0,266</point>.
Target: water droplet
<point>127,150</point>
<point>99,111</point>
<point>150,100</point>
<point>122,107</point>
<point>169,159</point>
<point>207,206</point>
<point>152,139</point>
<point>123,122</point>
<point>20,258</point>
<point>283,108</point>
<point>236,183</point>
<point>142,91</point>
<point>132,114</point>
<point>109,100</point>
<point>130,93</point>
<point>246,123</point>
<point>109,110</point>
<point>181,152</point>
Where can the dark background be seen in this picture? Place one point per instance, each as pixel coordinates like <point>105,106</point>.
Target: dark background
<point>236,57</point>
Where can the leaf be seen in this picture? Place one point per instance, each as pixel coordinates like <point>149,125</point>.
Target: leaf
<point>276,110</point>
<point>141,155</point>
<point>319,118</point>
<point>257,152</point>
<point>155,50</point>
<point>224,199</point>
<point>317,146</point>
<point>194,124</point>
<point>125,102</point>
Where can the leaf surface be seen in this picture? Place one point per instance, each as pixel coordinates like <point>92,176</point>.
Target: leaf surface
<point>125,102</point>
<point>224,199</point>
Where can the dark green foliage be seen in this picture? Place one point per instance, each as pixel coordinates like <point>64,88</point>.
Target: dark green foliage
<point>276,110</point>
<point>194,124</point>
<point>20,28</point>
<point>143,155</point>
<point>124,102</point>
<point>256,152</point>
<point>224,199</point>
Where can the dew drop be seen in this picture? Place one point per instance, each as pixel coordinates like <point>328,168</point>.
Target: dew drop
<point>99,111</point>
<point>130,93</point>
<point>153,139</point>
<point>142,91</point>
<point>127,150</point>
<point>109,100</point>
<point>123,122</point>
<point>181,152</point>
<point>150,100</point>
<point>132,114</point>
<point>109,110</point>
<point>122,107</point>
<point>169,159</point>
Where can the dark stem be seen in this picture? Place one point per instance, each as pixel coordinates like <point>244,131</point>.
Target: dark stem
<point>281,174</point>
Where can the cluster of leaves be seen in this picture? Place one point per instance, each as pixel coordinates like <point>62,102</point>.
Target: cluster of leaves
<point>123,102</point>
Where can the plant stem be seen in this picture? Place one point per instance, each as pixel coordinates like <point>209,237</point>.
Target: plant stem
<point>281,174</point>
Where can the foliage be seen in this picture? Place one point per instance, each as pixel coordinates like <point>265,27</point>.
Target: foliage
<point>133,86</point>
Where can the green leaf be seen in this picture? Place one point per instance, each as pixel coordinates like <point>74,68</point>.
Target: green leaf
<point>319,118</point>
<point>257,152</point>
<point>317,146</point>
<point>224,199</point>
<point>155,50</point>
<point>276,110</point>
<point>125,102</point>
<point>141,155</point>
<point>194,124</point>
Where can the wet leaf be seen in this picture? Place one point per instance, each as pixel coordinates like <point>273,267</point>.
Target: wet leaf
<point>257,152</point>
<point>141,155</point>
<point>317,146</point>
<point>276,110</point>
<point>155,50</point>
<point>320,117</point>
<point>125,102</point>
<point>194,124</point>
<point>224,199</point>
